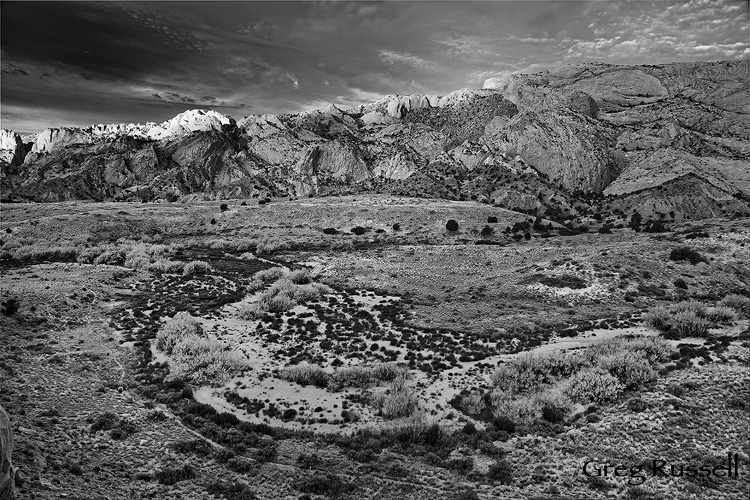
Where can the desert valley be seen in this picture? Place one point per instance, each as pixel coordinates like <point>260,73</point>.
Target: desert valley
<point>487,294</point>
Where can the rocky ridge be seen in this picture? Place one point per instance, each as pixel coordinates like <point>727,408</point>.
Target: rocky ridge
<point>619,135</point>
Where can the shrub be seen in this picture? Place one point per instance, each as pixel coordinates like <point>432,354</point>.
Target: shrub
<point>680,283</point>
<point>170,476</point>
<point>196,267</point>
<point>252,311</point>
<point>300,277</point>
<point>223,207</point>
<point>397,227</point>
<point>399,401</point>
<point>522,410</point>
<point>330,230</point>
<point>203,361</point>
<point>305,375</point>
<point>501,471</point>
<point>487,231</point>
<point>593,385</point>
<point>691,306</point>
<point>658,318</point>
<point>721,315</point>
<point>637,405</point>
<point>555,405</point>
<point>9,307</point>
<point>503,423</point>
<point>528,371</point>
<point>466,494</point>
<point>631,371</point>
<point>655,349</point>
<point>451,225</point>
<point>492,219</point>
<point>686,253</point>
<point>687,324</point>
<point>230,491</point>
<point>552,414</point>
<point>473,404</point>
<point>164,265</point>
<point>323,484</point>
<point>358,230</point>
<point>270,275</point>
<point>182,326</point>
<point>738,303</point>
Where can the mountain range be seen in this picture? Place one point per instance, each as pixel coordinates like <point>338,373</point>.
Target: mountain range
<point>669,141</point>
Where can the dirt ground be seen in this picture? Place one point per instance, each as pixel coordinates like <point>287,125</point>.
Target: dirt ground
<point>95,415</point>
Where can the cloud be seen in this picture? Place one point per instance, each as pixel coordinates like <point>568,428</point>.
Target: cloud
<point>149,61</point>
<point>391,58</point>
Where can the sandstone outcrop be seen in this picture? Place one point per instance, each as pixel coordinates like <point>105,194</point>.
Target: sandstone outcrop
<point>535,142</point>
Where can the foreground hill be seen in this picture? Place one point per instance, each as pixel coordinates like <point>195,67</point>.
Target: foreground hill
<point>669,141</point>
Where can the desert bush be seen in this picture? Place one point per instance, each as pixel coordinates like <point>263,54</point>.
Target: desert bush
<point>655,349</point>
<point>501,471</point>
<point>270,275</point>
<point>465,494</point>
<point>170,476</point>
<point>196,267</point>
<point>658,318</point>
<point>528,371</point>
<point>182,326</point>
<point>280,302</point>
<point>686,253</point>
<point>342,245</point>
<point>330,485</point>
<point>305,293</point>
<point>9,307</point>
<point>269,245</point>
<point>631,371</point>
<point>41,251</point>
<point>451,225</point>
<point>680,283</point>
<point>305,375</point>
<point>687,324</point>
<point>738,303</point>
<point>164,265</point>
<point>554,404</point>
<point>593,385</point>
<point>230,490</point>
<point>523,374</point>
<point>364,376</point>
<point>523,409</point>
<point>203,361</point>
<point>300,277</point>
<point>690,306</point>
<point>721,315</point>
<point>399,401</point>
<point>637,405</point>
<point>473,403</point>
<point>252,311</point>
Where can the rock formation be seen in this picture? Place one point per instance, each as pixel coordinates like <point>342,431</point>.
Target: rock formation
<point>619,131</point>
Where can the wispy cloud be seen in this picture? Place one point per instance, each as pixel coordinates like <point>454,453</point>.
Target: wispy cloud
<point>392,58</point>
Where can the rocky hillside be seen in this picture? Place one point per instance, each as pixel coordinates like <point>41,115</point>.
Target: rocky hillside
<point>669,141</point>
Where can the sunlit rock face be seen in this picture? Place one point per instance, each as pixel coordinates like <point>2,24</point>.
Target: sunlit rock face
<point>624,131</point>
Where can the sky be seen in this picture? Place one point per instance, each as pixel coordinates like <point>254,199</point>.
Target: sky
<point>77,64</point>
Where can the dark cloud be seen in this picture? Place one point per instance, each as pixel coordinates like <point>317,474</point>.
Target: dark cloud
<point>111,62</point>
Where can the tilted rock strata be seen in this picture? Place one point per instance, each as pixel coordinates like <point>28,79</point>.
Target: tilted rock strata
<point>617,130</point>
